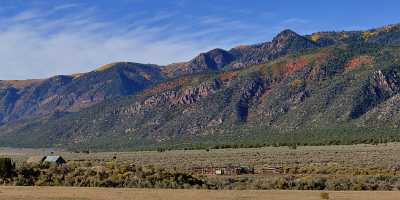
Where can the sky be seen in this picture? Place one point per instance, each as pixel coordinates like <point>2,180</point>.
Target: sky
<point>43,38</point>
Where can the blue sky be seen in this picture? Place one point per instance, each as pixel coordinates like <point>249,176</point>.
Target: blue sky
<point>42,38</point>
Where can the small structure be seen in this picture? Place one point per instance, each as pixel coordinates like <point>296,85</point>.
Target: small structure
<point>219,172</point>
<point>54,159</point>
<point>223,170</point>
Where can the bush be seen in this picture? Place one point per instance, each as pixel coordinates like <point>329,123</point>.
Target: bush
<point>7,169</point>
<point>27,175</point>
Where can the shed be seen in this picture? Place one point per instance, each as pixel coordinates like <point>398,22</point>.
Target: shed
<point>54,159</point>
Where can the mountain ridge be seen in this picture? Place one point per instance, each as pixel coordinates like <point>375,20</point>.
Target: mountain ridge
<point>319,88</point>
<point>72,93</point>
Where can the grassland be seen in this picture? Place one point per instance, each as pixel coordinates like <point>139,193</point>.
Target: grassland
<point>352,167</point>
<point>345,156</point>
<point>69,193</point>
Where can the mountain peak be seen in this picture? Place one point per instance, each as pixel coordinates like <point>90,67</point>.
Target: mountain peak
<point>110,65</point>
<point>213,59</point>
<point>289,41</point>
<point>287,33</point>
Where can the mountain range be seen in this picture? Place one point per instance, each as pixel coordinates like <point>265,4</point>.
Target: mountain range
<point>322,88</point>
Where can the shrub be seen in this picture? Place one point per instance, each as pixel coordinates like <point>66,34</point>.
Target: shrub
<point>27,175</point>
<point>7,169</point>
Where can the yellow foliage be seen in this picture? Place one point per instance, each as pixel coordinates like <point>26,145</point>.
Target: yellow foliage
<point>385,29</point>
<point>296,83</point>
<point>368,34</point>
<point>344,34</point>
<point>276,69</point>
<point>315,37</point>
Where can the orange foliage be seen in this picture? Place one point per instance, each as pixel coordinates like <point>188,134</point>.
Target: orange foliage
<point>226,76</point>
<point>288,67</point>
<point>296,83</point>
<point>320,58</point>
<point>358,61</point>
<point>294,65</point>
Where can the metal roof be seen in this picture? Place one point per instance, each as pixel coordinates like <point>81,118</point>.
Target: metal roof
<point>52,158</point>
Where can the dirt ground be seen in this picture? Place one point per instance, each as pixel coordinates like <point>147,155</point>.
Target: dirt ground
<point>70,193</point>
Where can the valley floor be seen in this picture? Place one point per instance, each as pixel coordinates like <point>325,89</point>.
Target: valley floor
<point>70,193</point>
<point>352,167</point>
<point>346,156</point>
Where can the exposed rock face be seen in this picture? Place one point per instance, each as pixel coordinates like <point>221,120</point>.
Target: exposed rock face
<point>387,113</point>
<point>382,85</point>
<point>185,97</point>
<point>250,92</point>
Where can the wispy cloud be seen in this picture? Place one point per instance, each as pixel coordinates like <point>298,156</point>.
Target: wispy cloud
<point>71,38</point>
<point>36,45</point>
<point>65,6</point>
<point>295,21</point>
<point>23,16</point>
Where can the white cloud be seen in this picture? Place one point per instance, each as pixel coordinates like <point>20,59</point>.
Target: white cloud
<point>39,45</point>
<point>71,38</point>
<point>65,6</point>
<point>26,15</point>
<point>295,21</point>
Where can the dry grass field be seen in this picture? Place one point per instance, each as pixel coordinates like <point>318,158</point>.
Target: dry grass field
<point>348,156</point>
<point>69,193</point>
<point>353,167</point>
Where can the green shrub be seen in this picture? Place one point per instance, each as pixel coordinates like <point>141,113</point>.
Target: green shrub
<point>7,169</point>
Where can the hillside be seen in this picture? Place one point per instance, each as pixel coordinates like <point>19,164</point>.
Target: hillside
<point>323,88</point>
<point>30,98</point>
